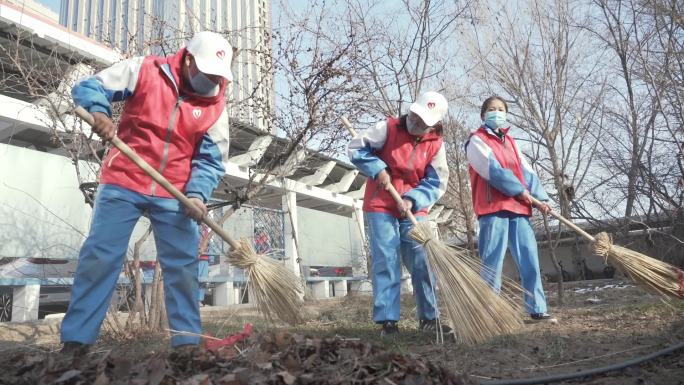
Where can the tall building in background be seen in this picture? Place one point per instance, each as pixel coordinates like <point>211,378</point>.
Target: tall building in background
<point>160,26</point>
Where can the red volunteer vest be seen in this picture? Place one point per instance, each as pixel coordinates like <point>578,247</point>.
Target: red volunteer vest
<point>486,198</point>
<point>162,126</point>
<point>407,157</point>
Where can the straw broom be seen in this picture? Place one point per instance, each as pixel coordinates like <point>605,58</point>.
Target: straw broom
<point>651,274</point>
<point>277,291</point>
<point>475,310</point>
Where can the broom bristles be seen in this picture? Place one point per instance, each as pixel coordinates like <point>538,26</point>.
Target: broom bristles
<point>277,290</point>
<point>475,310</point>
<point>653,275</point>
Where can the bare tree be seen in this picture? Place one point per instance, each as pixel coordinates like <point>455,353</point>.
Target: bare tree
<point>461,226</point>
<point>634,115</point>
<point>402,49</point>
<point>644,39</point>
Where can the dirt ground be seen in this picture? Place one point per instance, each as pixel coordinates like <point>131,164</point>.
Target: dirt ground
<point>596,328</point>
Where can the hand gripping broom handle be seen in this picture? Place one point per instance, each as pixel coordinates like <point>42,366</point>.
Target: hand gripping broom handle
<point>393,192</point>
<point>157,177</point>
<point>566,221</point>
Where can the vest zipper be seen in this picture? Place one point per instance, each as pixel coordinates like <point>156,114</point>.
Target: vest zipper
<point>503,142</point>
<point>167,142</point>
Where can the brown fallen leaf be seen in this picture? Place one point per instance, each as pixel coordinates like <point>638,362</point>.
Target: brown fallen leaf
<point>282,339</point>
<point>290,363</point>
<point>198,379</point>
<point>230,379</point>
<point>122,368</point>
<point>102,379</point>
<point>265,366</point>
<point>286,377</point>
<point>157,370</point>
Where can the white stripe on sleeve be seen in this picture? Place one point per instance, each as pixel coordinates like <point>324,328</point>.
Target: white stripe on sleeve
<point>478,154</point>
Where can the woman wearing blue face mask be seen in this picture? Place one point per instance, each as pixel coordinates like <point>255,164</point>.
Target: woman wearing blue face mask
<point>502,182</point>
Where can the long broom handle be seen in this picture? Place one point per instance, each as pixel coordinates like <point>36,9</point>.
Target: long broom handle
<point>566,221</point>
<point>390,188</point>
<point>157,177</point>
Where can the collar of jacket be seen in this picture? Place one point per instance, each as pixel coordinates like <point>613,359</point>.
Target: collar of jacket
<point>432,135</point>
<point>175,63</point>
<point>491,132</point>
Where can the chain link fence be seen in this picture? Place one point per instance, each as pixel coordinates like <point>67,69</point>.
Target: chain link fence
<point>267,231</point>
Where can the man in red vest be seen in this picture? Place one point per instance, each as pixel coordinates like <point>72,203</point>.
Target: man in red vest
<point>502,182</point>
<point>175,119</point>
<point>407,152</point>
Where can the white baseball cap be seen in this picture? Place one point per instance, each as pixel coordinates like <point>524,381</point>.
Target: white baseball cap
<point>212,54</point>
<point>431,107</point>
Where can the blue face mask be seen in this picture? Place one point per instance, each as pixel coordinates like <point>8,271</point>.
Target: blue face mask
<point>495,119</point>
<point>202,85</point>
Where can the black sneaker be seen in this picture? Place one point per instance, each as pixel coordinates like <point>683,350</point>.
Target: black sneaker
<point>389,328</point>
<point>74,348</point>
<point>430,325</point>
<point>543,317</point>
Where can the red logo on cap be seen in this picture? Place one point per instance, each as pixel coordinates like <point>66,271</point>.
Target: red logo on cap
<point>431,105</point>
<point>221,54</point>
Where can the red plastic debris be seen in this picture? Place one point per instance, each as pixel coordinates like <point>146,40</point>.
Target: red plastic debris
<point>231,340</point>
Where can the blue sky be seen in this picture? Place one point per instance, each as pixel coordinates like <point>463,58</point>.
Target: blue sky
<point>52,4</point>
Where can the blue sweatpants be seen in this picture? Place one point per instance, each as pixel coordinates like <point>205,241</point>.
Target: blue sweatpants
<point>116,212</point>
<point>499,231</point>
<point>390,239</point>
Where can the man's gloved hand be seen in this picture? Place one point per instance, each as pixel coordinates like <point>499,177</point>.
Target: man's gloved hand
<point>197,211</point>
<point>103,126</point>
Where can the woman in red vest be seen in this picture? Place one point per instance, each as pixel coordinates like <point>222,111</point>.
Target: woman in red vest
<point>408,153</point>
<point>502,182</point>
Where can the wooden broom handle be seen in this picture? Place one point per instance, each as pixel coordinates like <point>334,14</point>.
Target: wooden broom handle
<point>157,177</point>
<point>393,192</point>
<point>566,221</point>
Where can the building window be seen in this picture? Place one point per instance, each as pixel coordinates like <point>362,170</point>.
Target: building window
<point>64,13</point>
<point>141,33</point>
<point>74,18</point>
<point>203,15</point>
<point>124,26</point>
<point>158,9</point>
<point>213,19</point>
<point>87,30</point>
<point>235,18</point>
<point>100,20</point>
<point>112,22</point>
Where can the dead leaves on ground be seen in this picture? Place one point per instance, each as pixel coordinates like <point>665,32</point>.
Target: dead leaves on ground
<point>271,359</point>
